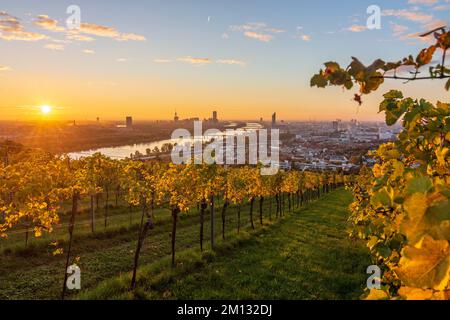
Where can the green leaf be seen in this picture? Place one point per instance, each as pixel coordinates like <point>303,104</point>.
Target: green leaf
<point>447,85</point>
<point>419,184</point>
<point>381,199</point>
<point>332,66</point>
<point>319,81</point>
<point>393,94</point>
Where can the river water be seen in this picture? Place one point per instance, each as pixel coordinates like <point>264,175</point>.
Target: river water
<point>125,151</point>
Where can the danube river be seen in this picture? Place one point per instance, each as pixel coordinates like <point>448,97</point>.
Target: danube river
<point>125,151</point>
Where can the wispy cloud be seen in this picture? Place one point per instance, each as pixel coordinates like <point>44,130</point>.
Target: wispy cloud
<point>257,30</point>
<point>425,2</point>
<point>442,7</point>
<point>356,28</point>
<point>47,23</point>
<point>88,51</point>
<point>78,37</point>
<point>425,21</point>
<point>204,61</point>
<point>301,35</point>
<point>11,29</point>
<point>232,62</point>
<point>195,61</point>
<point>258,36</point>
<point>398,29</point>
<point>109,32</point>
<point>162,61</point>
<point>4,68</point>
<point>415,16</point>
<point>86,31</point>
<point>54,47</point>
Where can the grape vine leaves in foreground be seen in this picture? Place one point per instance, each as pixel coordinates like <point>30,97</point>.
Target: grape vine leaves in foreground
<point>401,206</point>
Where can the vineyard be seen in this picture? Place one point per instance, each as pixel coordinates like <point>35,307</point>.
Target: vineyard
<point>51,205</point>
<point>401,206</point>
<point>143,228</point>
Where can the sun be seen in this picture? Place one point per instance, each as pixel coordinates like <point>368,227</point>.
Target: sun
<point>46,109</point>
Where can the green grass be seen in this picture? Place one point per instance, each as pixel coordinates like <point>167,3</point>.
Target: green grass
<point>305,255</point>
<point>34,273</point>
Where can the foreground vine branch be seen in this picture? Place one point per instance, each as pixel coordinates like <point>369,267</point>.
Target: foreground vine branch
<point>369,78</point>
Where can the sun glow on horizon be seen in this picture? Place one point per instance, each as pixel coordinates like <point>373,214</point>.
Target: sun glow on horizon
<point>46,109</point>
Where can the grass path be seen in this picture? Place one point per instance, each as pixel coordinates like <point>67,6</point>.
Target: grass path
<point>306,255</point>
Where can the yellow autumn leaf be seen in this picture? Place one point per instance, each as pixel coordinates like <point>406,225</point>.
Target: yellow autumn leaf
<point>441,154</point>
<point>416,207</point>
<point>427,265</point>
<point>377,295</point>
<point>441,295</point>
<point>410,293</point>
<point>58,252</point>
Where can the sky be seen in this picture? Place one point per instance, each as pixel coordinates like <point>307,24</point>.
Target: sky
<point>243,58</point>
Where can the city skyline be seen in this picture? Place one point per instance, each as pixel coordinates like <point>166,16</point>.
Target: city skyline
<point>149,59</point>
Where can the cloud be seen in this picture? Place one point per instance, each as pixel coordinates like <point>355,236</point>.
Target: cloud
<point>442,7</point>
<point>202,61</point>
<point>121,60</point>
<point>435,24</point>
<point>415,16</point>
<point>306,37</point>
<point>430,40</point>
<point>195,61</point>
<point>4,68</point>
<point>257,30</point>
<point>54,47</point>
<point>11,29</point>
<point>251,26</point>
<point>232,62</point>
<point>79,37</point>
<point>425,2</point>
<point>131,37</point>
<point>88,51</point>
<point>45,22</point>
<point>398,29</point>
<point>109,32</point>
<point>258,36</point>
<point>162,61</point>
<point>356,28</point>
<point>225,36</point>
<point>86,31</point>
<point>301,35</point>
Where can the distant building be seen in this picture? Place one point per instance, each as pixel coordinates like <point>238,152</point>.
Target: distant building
<point>176,118</point>
<point>129,122</point>
<point>214,118</point>
<point>274,119</point>
<point>336,125</point>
